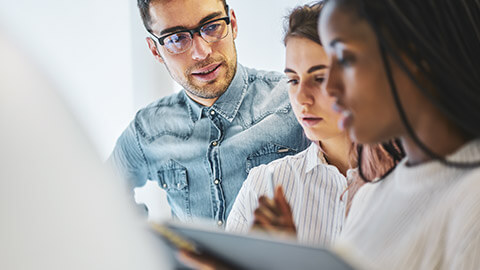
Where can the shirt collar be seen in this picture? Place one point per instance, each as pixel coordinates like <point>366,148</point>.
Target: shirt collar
<point>194,108</point>
<point>228,104</point>
<point>314,157</point>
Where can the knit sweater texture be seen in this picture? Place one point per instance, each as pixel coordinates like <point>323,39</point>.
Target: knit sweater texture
<point>419,217</point>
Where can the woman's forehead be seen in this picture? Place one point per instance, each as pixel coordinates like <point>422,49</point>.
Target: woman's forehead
<point>339,25</point>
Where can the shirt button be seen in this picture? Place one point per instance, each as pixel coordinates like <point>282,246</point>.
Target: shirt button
<point>215,143</point>
<point>164,185</point>
<point>216,181</point>
<point>220,223</point>
<point>212,112</point>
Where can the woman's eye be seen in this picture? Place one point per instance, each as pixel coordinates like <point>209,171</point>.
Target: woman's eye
<point>292,82</point>
<point>345,61</point>
<point>320,79</point>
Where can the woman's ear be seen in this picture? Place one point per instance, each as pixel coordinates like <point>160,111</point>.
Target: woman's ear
<point>153,48</point>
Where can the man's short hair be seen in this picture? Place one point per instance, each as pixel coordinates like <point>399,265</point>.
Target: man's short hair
<point>144,7</point>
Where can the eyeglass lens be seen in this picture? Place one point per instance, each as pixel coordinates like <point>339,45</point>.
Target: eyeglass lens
<point>211,32</point>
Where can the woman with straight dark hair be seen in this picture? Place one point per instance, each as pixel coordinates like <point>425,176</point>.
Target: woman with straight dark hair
<point>411,70</point>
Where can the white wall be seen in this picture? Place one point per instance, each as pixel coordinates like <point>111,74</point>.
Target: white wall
<point>85,47</point>
<point>260,23</point>
<point>95,51</point>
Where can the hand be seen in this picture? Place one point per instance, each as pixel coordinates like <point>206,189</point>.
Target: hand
<point>274,216</point>
<point>202,261</point>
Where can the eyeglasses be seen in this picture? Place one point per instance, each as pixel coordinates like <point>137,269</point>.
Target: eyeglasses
<point>179,42</point>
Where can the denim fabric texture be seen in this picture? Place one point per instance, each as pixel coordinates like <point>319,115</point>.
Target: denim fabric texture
<point>201,155</point>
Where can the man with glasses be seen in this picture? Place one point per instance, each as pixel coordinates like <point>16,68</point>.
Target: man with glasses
<point>200,144</point>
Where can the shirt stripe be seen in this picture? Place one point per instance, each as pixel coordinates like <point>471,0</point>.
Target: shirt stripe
<point>312,188</point>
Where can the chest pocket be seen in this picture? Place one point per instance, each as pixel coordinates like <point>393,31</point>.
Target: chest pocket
<point>172,177</point>
<point>267,154</point>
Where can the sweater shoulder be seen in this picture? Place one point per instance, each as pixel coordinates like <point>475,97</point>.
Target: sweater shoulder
<point>464,193</point>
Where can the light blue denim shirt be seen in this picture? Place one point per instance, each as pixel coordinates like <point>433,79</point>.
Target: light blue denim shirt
<point>201,155</point>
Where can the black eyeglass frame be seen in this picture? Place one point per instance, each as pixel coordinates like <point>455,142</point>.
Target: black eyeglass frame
<point>195,30</point>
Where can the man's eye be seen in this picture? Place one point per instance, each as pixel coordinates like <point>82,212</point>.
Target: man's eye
<point>211,28</point>
<point>177,38</point>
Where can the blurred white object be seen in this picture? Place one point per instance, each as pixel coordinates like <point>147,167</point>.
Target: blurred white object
<point>59,208</point>
<point>155,199</point>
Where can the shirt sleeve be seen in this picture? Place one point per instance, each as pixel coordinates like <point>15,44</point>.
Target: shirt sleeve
<point>241,217</point>
<point>128,159</point>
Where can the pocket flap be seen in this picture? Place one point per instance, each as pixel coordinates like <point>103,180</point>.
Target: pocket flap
<point>267,154</point>
<point>172,175</point>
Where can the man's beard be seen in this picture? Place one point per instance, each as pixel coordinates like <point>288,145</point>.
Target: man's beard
<point>214,88</point>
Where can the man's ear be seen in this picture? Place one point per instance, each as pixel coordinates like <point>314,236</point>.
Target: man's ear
<point>153,48</point>
<point>233,21</point>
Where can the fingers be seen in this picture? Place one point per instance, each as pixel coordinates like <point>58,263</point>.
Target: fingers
<point>202,261</point>
<point>195,261</point>
<point>281,202</point>
<point>263,224</point>
<point>274,215</point>
<point>268,206</point>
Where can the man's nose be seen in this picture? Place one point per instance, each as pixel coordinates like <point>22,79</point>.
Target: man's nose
<point>200,48</point>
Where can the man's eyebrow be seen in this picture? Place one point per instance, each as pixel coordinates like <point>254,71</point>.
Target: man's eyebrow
<point>180,28</point>
<point>315,68</point>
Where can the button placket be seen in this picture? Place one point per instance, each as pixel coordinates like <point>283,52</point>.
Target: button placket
<point>213,156</point>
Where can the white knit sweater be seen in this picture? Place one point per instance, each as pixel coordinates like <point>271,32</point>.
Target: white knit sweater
<point>420,217</point>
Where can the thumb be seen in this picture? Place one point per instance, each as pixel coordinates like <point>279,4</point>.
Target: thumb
<point>281,201</point>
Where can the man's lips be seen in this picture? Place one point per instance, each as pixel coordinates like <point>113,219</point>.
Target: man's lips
<point>207,73</point>
<point>207,69</point>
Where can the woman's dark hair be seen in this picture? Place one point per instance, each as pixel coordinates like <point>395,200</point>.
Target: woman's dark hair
<point>378,159</point>
<point>442,39</point>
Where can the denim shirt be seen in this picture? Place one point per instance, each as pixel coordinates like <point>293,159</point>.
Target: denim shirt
<point>201,155</point>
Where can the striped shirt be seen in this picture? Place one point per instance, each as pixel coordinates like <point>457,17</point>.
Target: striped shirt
<point>312,188</point>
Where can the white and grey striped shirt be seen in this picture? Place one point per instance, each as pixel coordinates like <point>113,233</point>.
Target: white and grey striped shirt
<point>312,188</point>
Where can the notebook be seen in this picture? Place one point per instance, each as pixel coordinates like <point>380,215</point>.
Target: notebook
<point>249,251</point>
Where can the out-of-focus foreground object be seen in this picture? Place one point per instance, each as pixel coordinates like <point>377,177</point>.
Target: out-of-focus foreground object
<point>59,207</point>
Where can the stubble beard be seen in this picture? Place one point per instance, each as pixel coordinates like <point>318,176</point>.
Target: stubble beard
<point>214,88</point>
